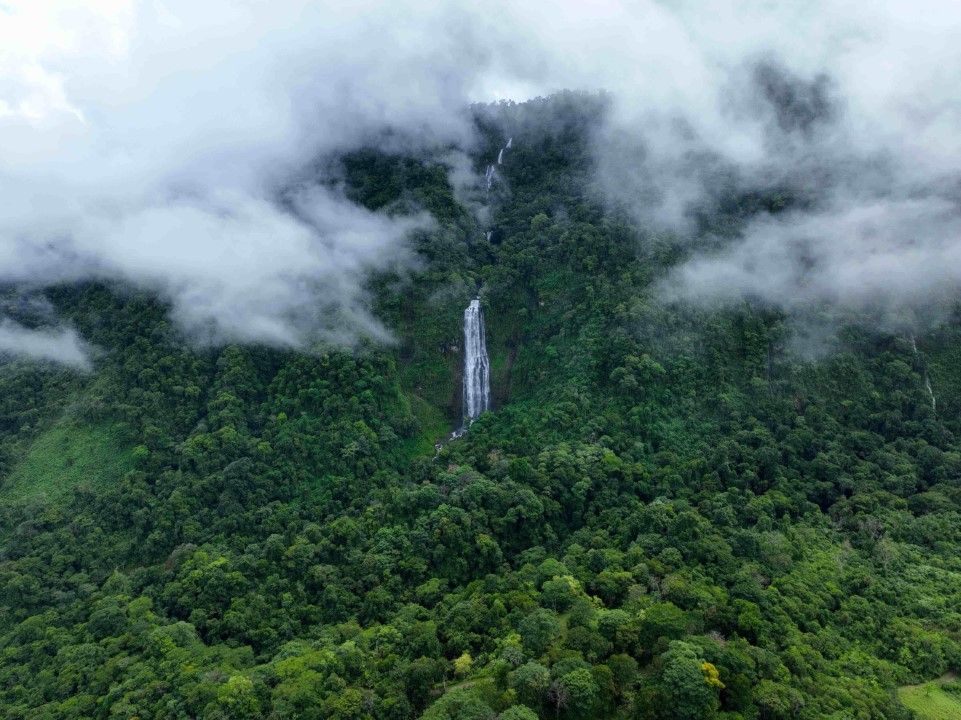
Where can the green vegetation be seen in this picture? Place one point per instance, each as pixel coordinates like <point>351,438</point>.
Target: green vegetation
<point>932,701</point>
<point>670,515</point>
<point>65,456</point>
<point>432,426</point>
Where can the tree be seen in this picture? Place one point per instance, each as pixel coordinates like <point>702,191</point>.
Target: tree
<point>518,712</point>
<point>236,699</point>
<point>575,693</point>
<point>661,620</point>
<point>687,686</point>
<point>463,664</point>
<point>538,630</point>
<point>531,681</point>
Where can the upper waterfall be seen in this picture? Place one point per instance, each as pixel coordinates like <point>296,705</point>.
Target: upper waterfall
<point>477,390</point>
<point>489,176</point>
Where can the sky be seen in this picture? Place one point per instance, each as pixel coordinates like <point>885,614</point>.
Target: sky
<point>147,141</point>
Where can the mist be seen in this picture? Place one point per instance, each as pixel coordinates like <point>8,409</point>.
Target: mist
<point>174,147</point>
<point>62,345</point>
<point>848,113</point>
<point>851,113</point>
<point>159,144</point>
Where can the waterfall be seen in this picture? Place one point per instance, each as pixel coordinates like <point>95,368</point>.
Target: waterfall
<point>924,370</point>
<point>477,387</point>
<point>477,368</point>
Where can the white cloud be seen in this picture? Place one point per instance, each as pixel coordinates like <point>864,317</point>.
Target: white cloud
<point>152,143</point>
<point>148,140</point>
<point>62,346</point>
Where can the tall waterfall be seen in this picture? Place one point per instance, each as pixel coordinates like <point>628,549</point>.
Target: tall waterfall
<point>477,369</point>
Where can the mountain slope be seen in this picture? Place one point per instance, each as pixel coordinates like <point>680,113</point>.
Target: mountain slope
<point>668,515</point>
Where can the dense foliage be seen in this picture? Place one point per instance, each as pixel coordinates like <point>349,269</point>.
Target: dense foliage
<point>670,514</point>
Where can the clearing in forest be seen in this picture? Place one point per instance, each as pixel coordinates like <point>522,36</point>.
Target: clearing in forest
<point>931,701</point>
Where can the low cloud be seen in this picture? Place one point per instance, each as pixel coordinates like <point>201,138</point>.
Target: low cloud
<point>900,259</point>
<point>176,146</point>
<point>156,143</point>
<point>62,346</point>
<point>848,113</point>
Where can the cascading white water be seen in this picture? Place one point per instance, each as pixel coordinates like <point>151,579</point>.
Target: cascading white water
<point>477,371</point>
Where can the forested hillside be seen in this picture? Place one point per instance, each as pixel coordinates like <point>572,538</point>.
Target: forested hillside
<point>673,512</point>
